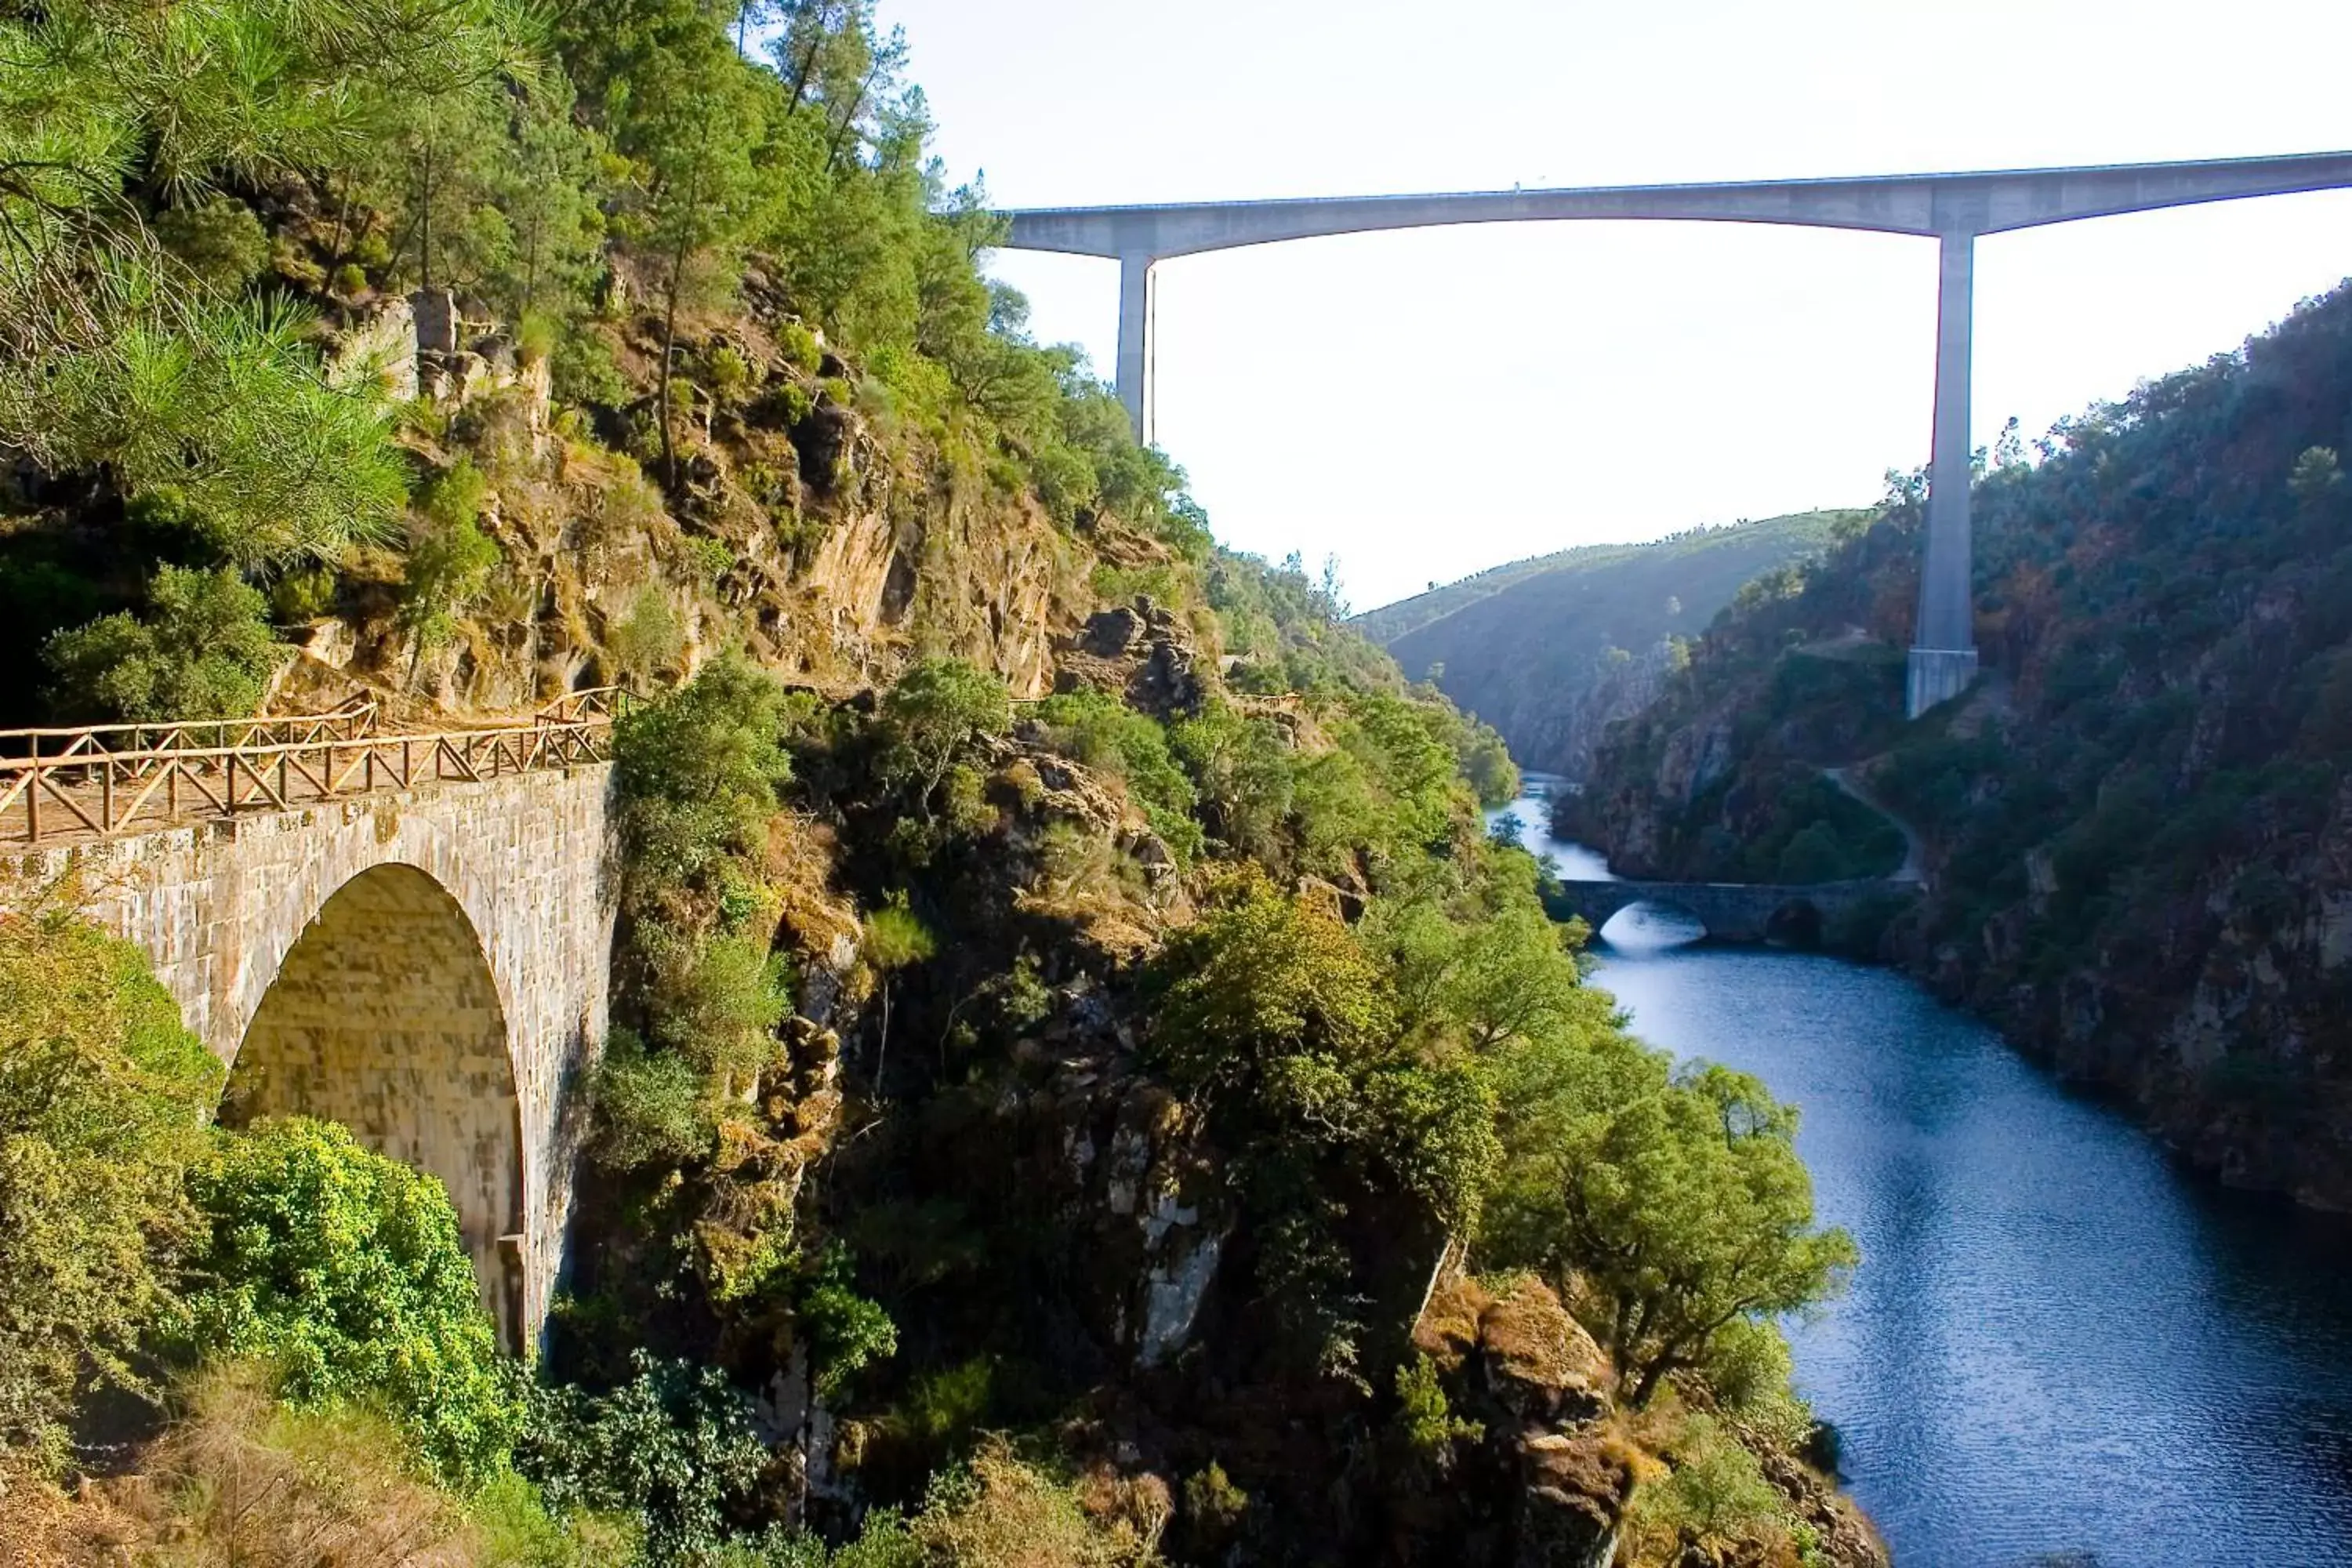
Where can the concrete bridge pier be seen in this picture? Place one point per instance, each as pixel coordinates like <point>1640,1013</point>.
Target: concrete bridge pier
<point>1136,330</point>
<point>1944,654</point>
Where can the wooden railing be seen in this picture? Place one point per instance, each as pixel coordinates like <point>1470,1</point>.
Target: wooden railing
<point>106,779</point>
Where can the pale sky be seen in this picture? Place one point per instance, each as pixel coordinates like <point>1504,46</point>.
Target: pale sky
<point>1428,403</point>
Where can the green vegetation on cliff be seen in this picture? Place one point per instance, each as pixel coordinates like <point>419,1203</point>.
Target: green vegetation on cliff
<point>2136,826</point>
<point>1083,1087</point>
<point>226,226</point>
<point>1548,650</point>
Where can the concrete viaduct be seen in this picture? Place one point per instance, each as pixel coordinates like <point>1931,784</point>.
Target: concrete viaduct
<point>427,966</point>
<point>1731,911</point>
<point>1953,209</point>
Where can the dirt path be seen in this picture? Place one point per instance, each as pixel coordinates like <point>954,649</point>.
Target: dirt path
<point>1915,848</point>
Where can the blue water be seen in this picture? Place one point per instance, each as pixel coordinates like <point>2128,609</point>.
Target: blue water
<point>2060,1346</point>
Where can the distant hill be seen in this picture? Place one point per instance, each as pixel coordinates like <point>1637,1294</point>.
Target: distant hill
<point>1551,648</point>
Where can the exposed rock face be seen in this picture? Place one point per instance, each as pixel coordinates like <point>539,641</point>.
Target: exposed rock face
<point>793,524</point>
<point>1142,651</point>
<point>381,346</point>
<point>1547,1484</point>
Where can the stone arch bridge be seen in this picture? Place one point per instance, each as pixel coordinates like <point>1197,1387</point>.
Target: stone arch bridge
<point>1733,912</point>
<point>408,935</point>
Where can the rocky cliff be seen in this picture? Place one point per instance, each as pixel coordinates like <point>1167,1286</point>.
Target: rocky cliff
<point>2137,824</point>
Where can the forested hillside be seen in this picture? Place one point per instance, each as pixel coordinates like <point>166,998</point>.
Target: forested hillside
<point>1082,1088</point>
<point>1550,650</point>
<point>2139,818</point>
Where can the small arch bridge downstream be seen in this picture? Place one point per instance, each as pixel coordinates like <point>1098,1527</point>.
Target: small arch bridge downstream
<point>1735,912</point>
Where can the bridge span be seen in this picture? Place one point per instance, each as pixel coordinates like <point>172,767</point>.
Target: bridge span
<point>1953,209</point>
<point>410,934</point>
<point>1733,912</point>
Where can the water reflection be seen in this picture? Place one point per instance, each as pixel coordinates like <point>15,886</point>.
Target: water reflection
<point>2058,1342</point>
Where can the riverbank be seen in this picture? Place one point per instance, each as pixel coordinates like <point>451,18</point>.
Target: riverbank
<point>2061,1346</point>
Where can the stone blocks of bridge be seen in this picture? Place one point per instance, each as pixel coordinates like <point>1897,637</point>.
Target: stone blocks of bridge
<point>1731,911</point>
<point>429,967</point>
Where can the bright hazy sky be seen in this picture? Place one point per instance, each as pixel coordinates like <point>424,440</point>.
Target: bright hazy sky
<point>1427,403</point>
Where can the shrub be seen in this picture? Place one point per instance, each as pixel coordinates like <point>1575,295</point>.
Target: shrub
<point>221,241</point>
<point>698,772</point>
<point>246,1480</point>
<point>1102,732</point>
<point>1429,1425</point>
<point>203,650</point>
<point>343,1269</point>
<point>1715,1496</point>
<point>103,1098</point>
<point>799,346</point>
<point>647,641</point>
<point>995,1512</point>
<point>728,374</point>
<point>302,595</point>
<point>675,1446</point>
<point>711,559</point>
<point>845,1329</point>
<point>536,336</point>
<point>449,557</point>
<point>939,707</point>
<point>1214,1507</point>
<point>650,1109</point>
<point>895,939</point>
<point>585,372</point>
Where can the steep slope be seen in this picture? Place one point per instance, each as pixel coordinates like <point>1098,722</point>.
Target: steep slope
<point>1083,1086</point>
<point>1549,650</point>
<point>2140,840</point>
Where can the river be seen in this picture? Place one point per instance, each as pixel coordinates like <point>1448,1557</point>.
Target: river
<point>2060,1347</point>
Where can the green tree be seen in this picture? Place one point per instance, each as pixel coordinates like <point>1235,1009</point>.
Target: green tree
<point>343,1271</point>
<point>1496,978</point>
<point>103,1097</point>
<point>895,940</point>
<point>449,559</point>
<point>1684,1210</point>
<point>939,707</point>
<point>115,355</point>
<point>1272,1017</point>
<point>695,125</point>
<point>698,774</point>
<point>203,650</point>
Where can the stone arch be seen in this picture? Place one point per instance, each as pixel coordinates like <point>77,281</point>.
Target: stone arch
<point>384,1015</point>
<point>1665,903</point>
<point>1795,923</point>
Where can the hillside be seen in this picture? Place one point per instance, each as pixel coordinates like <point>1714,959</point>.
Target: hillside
<point>1550,649</point>
<point>1082,1086</point>
<point>2141,837</point>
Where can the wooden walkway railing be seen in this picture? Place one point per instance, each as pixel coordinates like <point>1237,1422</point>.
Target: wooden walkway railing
<point>105,779</point>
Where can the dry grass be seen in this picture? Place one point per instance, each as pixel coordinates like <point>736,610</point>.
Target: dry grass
<point>41,1527</point>
<point>1009,1515</point>
<point>240,1482</point>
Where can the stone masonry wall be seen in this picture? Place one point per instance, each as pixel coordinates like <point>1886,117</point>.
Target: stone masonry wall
<point>527,860</point>
<point>386,1017</point>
